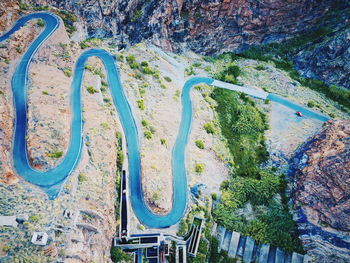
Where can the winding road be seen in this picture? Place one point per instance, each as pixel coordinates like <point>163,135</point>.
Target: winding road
<point>53,180</point>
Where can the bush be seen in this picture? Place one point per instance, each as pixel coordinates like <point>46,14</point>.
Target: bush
<point>132,62</point>
<point>105,125</point>
<point>199,144</point>
<point>144,123</point>
<point>34,218</point>
<point>82,178</point>
<point>189,71</point>
<point>117,255</point>
<point>260,67</point>
<point>199,168</point>
<point>144,64</point>
<point>120,159</point>
<point>183,228</point>
<point>67,72</point>
<point>163,141</point>
<point>311,104</point>
<point>56,154</point>
<point>177,94</point>
<point>91,89</point>
<point>147,70</point>
<point>44,92</point>
<point>40,22</point>
<point>209,128</point>
<point>214,196</point>
<point>137,15</point>
<point>148,135</point>
<point>141,104</point>
<point>168,79</point>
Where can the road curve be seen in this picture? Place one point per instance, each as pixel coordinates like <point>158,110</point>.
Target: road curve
<point>51,181</point>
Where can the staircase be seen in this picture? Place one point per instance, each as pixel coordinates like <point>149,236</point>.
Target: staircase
<point>238,246</point>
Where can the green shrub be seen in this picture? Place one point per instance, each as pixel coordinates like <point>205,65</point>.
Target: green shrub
<point>229,73</point>
<point>260,67</point>
<point>23,6</point>
<point>168,79</point>
<point>56,154</point>
<point>141,104</point>
<point>19,50</point>
<point>117,255</point>
<point>82,178</point>
<point>148,135</point>
<point>311,104</point>
<point>40,22</point>
<point>34,218</point>
<point>44,92</point>
<point>189,71</point>
<point>120,160</point>
<point>156,74</point>
<point>177,94</point>
<point>163,141</point>
<point>267,101</point>
<point>104,83</point>
<point>183,228</point>
<point>144,64</point>
<point>199,168</point>
<point>209,127</point>
<point>214,196</point>
<point>130,59</point>
<point>144,123</point>
<point>137,15</point>
<point>67,72</point>
<point>147,70</point>
<point>91,89</point>
<point>40,8</point>
<point>105,125</point>
<point>199,144</point>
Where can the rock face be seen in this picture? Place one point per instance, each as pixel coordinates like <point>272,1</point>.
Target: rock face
<point>207,26</point>
<point>328,59</point>
<point>322,193</point>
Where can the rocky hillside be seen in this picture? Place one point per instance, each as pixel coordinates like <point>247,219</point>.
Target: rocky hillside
<point>208,26</point>
<point>322,193</point>
<point>328,58</point>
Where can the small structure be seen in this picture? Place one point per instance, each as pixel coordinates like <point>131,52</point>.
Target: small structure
<point>68,213</point>
<point>13,220</point>
<point>195,237</point>
<point>39,238</point>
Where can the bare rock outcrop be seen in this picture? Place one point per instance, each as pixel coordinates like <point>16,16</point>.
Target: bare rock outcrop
<point>322,193</point>
<point>208,26</point>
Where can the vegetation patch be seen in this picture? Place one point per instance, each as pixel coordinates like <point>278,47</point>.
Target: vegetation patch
<point>91,90</point>
<point>200,144</point>
<point>243,126</point>
<point>199,168</point>
<point>68,19</point>
<point>55,154</point>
